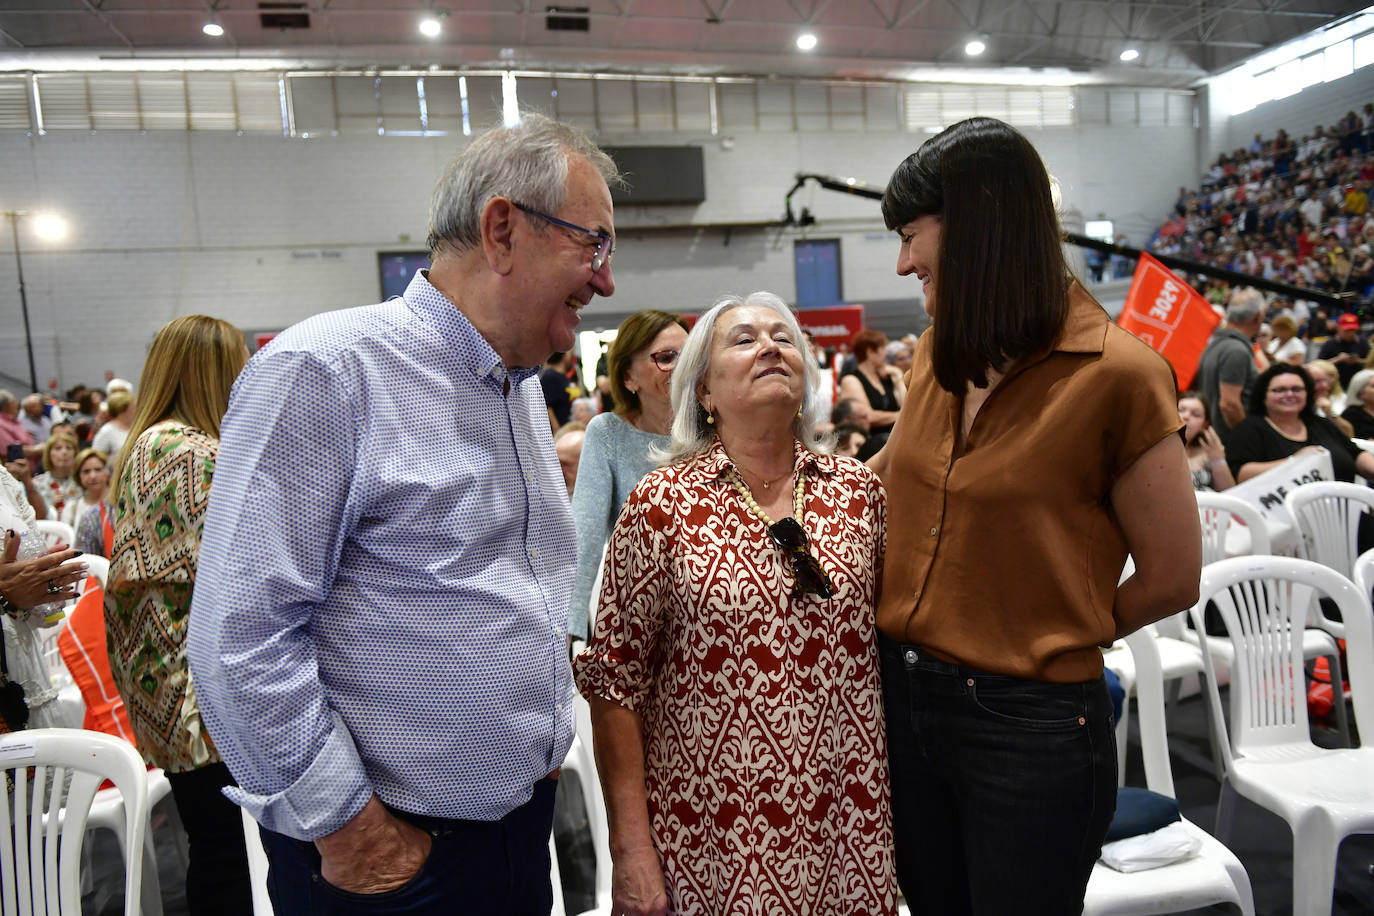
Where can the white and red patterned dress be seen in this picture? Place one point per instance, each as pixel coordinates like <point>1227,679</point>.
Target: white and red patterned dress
<point>765,756</point>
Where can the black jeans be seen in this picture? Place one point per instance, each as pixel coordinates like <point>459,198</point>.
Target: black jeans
<point>1002,788</point>
<point>217,870</point>
<point>477,868</point>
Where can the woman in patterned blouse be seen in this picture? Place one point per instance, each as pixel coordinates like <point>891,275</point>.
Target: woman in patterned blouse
<point>732,669</point>
<point>163,476</point>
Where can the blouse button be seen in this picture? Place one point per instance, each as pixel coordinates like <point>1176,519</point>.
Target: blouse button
<point>934,531</point>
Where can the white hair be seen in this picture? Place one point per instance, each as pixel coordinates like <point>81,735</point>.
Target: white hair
<point>690,433</point>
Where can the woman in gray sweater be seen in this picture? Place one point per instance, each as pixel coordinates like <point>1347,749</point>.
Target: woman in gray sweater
<point>615,453</point>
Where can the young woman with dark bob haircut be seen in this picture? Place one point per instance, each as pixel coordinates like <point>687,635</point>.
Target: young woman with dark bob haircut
<point>1037,447</point>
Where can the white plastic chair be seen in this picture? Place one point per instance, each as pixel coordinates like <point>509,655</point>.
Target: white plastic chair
<point>1328,519</point>
<point>582,761</point>
<point>40,855</point>
<point>1323,794</point>
<point>257,865</point>
<point>55,532</point>
<point>1214,875</point>
<point>1218,514</point>
<point>1179,658</point>
<point>1328,516</point>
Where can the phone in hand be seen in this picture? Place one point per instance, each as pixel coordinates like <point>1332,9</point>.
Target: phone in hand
<point>14,452</point>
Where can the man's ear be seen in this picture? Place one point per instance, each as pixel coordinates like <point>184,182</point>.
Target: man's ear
<point>498,235</point>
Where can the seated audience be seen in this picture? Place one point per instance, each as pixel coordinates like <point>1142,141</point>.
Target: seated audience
<point>12,431</point>
<point>876,383</point>
<point>849,440</point>
<point>38,417</point>
<point>1347,350</point>
<point>583,409</point>
<point>1206,454</point>
<point>1283,422</point>
<point>94,477</point>
<point>1360,398</point>
<point>567,444</point>
<point>58,482</point>
<point>110,437</point>
<point>1285,345</point>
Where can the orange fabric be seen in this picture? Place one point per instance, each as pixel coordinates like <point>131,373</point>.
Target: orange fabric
<point>82,644</point>
<point>1168,315</point>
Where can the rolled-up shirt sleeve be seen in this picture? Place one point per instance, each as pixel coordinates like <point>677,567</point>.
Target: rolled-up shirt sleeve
<point>618,663</point>
<point>278,517</point>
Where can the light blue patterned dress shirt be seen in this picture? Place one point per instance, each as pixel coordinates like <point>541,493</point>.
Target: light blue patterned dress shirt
<point>383,585</point>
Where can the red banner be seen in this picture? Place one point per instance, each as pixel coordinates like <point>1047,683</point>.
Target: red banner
<point>1168,315</point>
<point>832,325</point>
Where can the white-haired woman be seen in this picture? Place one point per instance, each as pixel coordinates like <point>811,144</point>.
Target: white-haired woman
<point>732,669</point>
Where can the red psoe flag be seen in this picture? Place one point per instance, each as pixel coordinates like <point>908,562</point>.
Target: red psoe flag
<point>1168,315</point>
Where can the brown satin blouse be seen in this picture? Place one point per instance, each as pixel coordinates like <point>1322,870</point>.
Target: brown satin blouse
<point>1006,558</point>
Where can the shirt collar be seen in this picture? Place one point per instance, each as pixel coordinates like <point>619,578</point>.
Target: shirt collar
<point>435,309</point>
<point>1085,328</point>
<point>713,463</point>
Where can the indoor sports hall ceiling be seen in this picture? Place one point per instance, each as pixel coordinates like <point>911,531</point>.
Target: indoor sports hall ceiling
<point>1179,41</point>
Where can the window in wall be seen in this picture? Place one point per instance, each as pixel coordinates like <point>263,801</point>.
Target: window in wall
<point>1364,50</point>
<point>817,264</point>
<point>1339,60</point>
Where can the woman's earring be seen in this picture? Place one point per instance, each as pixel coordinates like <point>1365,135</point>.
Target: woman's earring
<point>711,419</point>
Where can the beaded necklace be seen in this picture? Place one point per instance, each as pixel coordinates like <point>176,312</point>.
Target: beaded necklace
<point>754,507</point>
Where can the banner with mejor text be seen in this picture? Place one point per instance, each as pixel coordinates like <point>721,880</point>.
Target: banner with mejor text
<point>1168,315</point>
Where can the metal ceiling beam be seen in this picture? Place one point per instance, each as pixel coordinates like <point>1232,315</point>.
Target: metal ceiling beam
<point>96,11</point>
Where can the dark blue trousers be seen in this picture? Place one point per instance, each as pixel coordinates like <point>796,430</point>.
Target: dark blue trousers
<point>1002,788</point>
<point>481,868</point>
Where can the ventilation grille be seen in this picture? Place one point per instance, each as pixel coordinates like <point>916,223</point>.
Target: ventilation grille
<point>568,19</point>
<point>283,16</point>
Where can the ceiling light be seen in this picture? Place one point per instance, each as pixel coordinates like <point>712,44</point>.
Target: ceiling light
<point>975,47</point>
<point>213,29</point>
<point>1129,55</point>
<point>806,41</point>
<point>430,27</point>
<point>48,227</point>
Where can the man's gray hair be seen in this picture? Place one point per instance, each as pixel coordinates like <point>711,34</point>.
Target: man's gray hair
<point>527,163</point>
<point>690,432</point>
<point>1245,305</point>
<point>6,398</point>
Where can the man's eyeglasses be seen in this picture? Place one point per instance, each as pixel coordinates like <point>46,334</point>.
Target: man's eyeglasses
<point>807,572</point>
<point>605,247</point>
<point>664,359</point>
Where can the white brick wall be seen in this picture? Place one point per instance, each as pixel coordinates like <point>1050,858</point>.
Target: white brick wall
<point>264,231</point>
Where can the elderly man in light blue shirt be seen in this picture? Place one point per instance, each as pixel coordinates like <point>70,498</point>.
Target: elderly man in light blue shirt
<point>378,638</point>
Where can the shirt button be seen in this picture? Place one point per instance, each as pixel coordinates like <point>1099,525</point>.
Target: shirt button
<point>534,553</point>
<point>910,656</point>
<point>934,531</point>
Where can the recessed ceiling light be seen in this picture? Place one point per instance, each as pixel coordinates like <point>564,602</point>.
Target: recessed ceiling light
<point>430,28</point>
<point>213,29</point>
<point>1129,55</point>
<point>49,227</point>
<point>975,47</point>
<point>806,41</point>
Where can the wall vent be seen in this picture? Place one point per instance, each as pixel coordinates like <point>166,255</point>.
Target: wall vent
<point>568,19</point>
<point>283,16</point>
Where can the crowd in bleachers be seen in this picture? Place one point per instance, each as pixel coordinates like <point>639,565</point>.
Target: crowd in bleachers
<point>1295,211</point>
